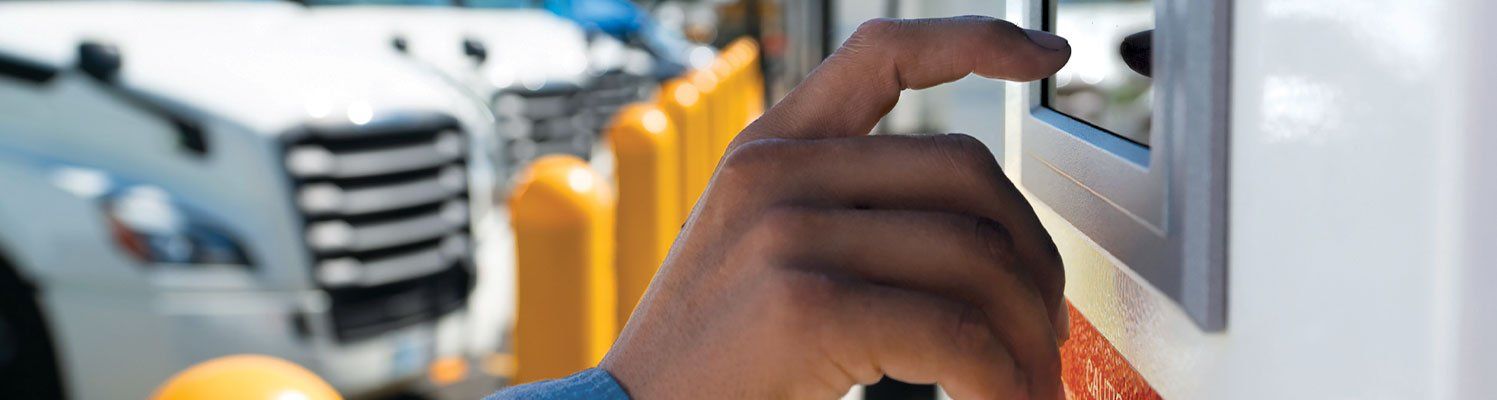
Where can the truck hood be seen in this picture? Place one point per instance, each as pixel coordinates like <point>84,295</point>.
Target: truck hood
<point>528,48</point>
<point>248,63</point>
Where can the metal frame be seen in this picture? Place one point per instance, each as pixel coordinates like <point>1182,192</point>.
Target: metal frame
<point>1160,210</point>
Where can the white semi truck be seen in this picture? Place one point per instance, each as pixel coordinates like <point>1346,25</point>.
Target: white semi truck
<point>551,86</point>
<point>180,181</point>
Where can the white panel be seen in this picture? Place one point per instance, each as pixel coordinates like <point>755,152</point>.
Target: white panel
<point>1360,190</point>
<point>1334,252</point>
<point>1473,320</point>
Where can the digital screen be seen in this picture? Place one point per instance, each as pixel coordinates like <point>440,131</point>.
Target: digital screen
<point>1105,83</point>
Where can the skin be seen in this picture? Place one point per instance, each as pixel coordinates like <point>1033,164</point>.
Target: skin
<point>821,257</point>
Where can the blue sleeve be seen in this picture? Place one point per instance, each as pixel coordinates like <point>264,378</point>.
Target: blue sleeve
<point>592,384</point>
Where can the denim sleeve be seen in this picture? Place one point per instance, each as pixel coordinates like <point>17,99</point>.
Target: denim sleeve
<point>592,384</point>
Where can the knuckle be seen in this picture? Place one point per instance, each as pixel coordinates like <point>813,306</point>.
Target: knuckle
<point>876,29</point>
<point>798,298</point>
<point>749,153</point>
<point>969,158</point>
<point>969,330</point>
<point>751,159</point>
<point>780,228</point>
<point>786,221</point>
<point>995,241</point>
<point>970,147</point>
<point>806,290</point>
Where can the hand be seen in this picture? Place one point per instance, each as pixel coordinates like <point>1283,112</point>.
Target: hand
<point>821,257</point>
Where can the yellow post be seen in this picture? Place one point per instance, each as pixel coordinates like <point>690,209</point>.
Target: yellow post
<point>707,84</point>
<point>245,377</point>
<point>563,216</point>
<point>649,182</point>
<point>744,53</point>
<point>733,56</point>
<point>737,63</point>
<point>684,104</point>
<point>727,107</point>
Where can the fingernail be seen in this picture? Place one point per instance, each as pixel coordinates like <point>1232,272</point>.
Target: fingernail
<point>1047,40</point>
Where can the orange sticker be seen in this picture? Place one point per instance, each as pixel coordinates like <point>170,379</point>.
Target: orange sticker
<point>1094,370</point>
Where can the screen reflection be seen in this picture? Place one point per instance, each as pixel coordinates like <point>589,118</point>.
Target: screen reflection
<point>1098,86</point>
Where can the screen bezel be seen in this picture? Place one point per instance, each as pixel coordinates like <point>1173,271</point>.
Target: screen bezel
<point>1160,210</point>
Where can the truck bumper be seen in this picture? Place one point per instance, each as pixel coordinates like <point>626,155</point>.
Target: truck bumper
<point>123,345</point>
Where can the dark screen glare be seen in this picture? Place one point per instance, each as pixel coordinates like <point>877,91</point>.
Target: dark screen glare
<point>1096,86</point>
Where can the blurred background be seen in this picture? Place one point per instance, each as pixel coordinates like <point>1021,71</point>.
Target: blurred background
<point>411,199</point>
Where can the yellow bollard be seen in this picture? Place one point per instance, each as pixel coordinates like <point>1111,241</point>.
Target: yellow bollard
<point>708,85</point>
<point>727,107</point>
<point>684,104</point>
<point>733,55</point>
<point>734,58</point>
<point>744,53</point>
<point>649,183</point>
<point>245,377</point>
<point>566,317</point>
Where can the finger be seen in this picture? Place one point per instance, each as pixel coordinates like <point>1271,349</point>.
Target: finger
<point>850,91</point>
<point>958,256</point>
<point>1138,52</point>
<point>948,173</point>
<point>869,331</point>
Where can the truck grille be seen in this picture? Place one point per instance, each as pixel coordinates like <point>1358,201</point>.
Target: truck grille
<point>385,207</point>
<point>611,92</point>
<point>564,120</point>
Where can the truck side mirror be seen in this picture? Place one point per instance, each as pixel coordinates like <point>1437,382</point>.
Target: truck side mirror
<point>475,49</point>
<point>99,60</point>
<point>399,43</point>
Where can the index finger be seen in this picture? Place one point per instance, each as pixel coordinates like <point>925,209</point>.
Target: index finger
<point>850,91</point>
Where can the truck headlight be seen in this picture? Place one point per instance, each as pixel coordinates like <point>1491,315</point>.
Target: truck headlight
<point>147,223</point>
<point>148,226</point>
